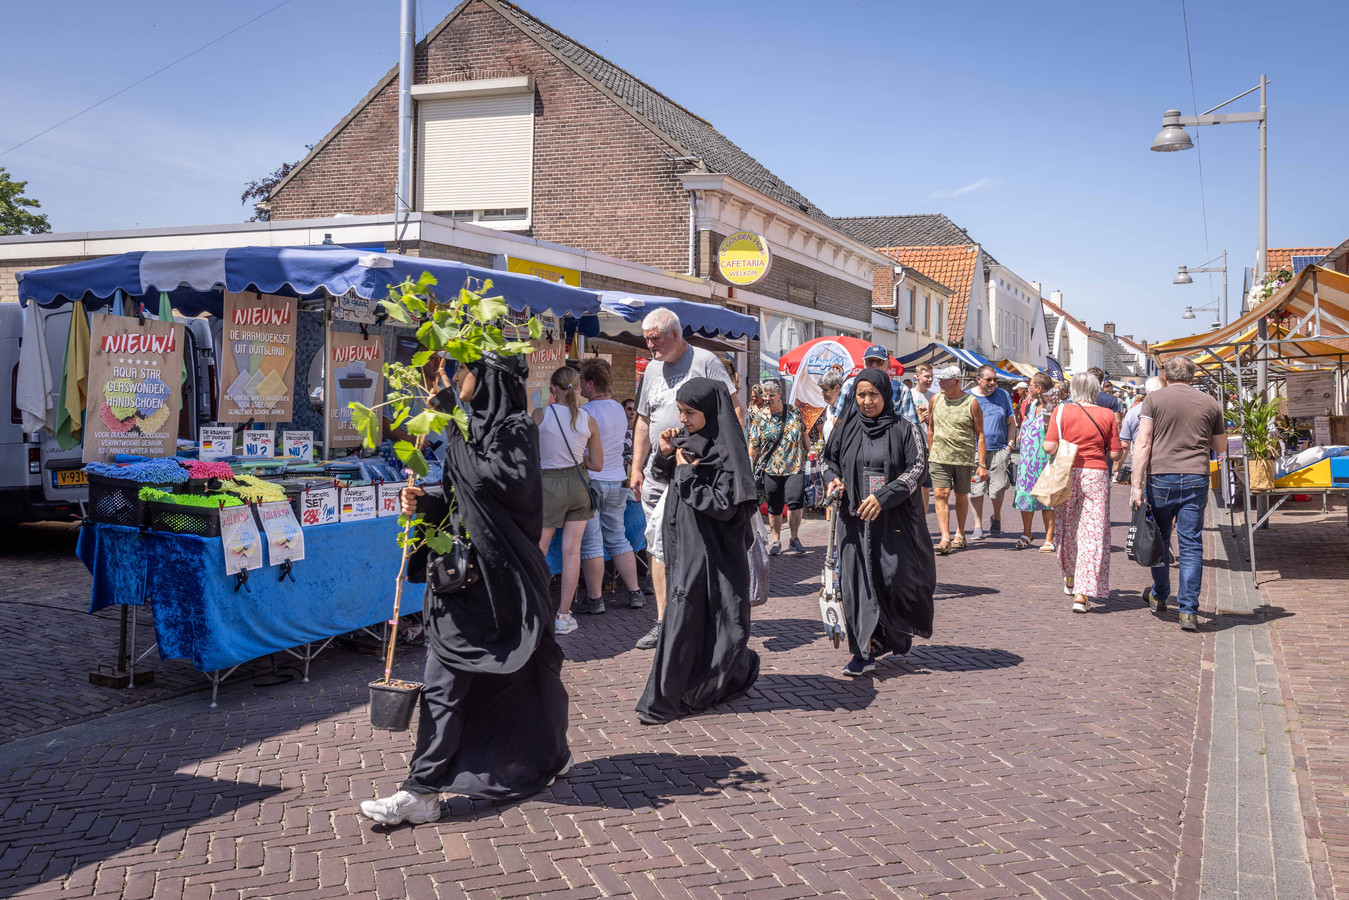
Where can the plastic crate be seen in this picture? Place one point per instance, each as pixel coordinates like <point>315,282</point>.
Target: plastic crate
<point>179,518</point>
<point>116,501</point>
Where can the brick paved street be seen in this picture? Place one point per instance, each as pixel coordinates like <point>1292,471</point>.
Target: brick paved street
<point>1023,751</point>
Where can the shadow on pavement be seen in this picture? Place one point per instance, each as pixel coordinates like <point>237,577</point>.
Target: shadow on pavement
<point>782,635</point>
<point>49,832</point>
<point>776,691</point>
<point>625,781</point>
<point>956,591</point>
<point>954,658</point>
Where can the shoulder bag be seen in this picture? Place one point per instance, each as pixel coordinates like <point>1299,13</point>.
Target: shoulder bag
<point>448,572</point>
<point>592,489</point>
<point>1051,488</point>
<point>766,452</point>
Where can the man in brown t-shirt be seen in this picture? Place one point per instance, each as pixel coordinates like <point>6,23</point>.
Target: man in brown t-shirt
<point>1178,427</point>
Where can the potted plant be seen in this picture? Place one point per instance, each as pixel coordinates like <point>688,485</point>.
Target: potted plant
<point>1261,437</point>
<point>463,328</point>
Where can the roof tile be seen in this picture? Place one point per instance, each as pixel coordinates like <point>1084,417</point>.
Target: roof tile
<point>951,266</point>
<point>1282,257</point>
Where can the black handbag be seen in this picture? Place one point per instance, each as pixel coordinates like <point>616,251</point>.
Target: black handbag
<point>592,489</point>
<point>449,572</point>
<point>1144,544</point>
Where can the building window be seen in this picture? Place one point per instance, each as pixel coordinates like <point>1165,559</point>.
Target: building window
<point>476,156</point>
<point>911,312</point>
<point>780,335</point>
<point>927,314</point>
<point>937,329</point>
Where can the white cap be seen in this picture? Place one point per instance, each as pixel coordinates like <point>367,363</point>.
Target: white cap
<point>948,373</point>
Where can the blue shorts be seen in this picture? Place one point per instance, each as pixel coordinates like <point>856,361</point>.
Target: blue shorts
<point>606,530</point>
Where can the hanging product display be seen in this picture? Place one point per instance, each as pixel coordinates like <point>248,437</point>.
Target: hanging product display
<point>132,407</point>
<point>354,374</point>
<point>257,366</point>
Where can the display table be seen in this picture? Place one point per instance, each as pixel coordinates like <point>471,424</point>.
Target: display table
<point>634,523</point>
<point>344,583</point>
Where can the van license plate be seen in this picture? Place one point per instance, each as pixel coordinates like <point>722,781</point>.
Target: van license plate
<point>65,478</point>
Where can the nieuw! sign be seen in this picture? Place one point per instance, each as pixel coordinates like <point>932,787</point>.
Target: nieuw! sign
<point>743,258</point>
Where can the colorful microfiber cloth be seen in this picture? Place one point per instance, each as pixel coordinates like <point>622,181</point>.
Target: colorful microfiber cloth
<point>207,501</point>
<point>197,468</point>
<point>152,471</point>
<point>254,489</point>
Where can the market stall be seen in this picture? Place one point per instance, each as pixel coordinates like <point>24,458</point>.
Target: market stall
<point>240,544</point>
<point>937,354</point>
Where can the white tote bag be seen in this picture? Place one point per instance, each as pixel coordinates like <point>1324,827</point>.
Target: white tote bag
<point>1051,488</point>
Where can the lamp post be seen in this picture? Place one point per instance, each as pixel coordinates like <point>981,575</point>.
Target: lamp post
<point>1183,274</point>
<point>1174,137</point>
<point>1189,311</point>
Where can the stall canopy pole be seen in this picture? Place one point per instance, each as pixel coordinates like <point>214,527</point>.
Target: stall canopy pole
<point>327,357</point>
<point>407,37</point>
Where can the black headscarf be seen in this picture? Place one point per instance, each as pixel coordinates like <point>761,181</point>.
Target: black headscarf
<point>500,392</point>
<point>720,443</point>
<point>853,428</point>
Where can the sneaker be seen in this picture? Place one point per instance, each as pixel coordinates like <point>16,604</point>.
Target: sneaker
<point>592,606</point>
<point>1189,622</point>
<point>995,528</point>
<point>565,624</point>
<point>403,806</point>
<point>859,667</point>
<point>648,640</point>
<point>566,770</point>
<point>774,548</point>
<point>1155,604</point>
<point>796,547</point>
<point>978,535</point>
<point>1079,604</point>
<point>636,600</point>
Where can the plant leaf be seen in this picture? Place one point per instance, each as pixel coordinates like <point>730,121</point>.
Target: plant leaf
<point>396,311</point>
<point>428,421</point>
<point>439,541</point>
<point>367,422</point>
<point>420,359</point>
<point>417,463</point>
<point>490,308</point>
<point>460,418</point>
<point>517,348</point>
<point>535,327</point>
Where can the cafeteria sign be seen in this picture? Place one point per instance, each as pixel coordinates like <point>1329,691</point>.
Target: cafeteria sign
<point>743,258</point>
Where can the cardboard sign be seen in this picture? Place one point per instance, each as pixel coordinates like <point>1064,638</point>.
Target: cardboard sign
<point>215,443</point>
<point>548,357</point>
<point>1321,431</point>
<point>298,445</point>
<point>285,539</point>
<point>257,365</point>
<point>355,373</point>
<point>358,503</point>
<point>1310,394</point>
<point>351,308</point>
<point>239,535</point>
<point>388,498</point>
<point>259,444</point>
<point>318,506</point>
<point>134,398</point>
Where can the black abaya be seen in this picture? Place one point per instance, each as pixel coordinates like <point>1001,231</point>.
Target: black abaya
<point>702,657</point>
<point>493,710</point>
<point>887,569</point>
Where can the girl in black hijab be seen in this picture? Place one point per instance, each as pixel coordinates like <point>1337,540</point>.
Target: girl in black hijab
<point>886,565</point>
<point>702,657</point>
<point>493,719</point>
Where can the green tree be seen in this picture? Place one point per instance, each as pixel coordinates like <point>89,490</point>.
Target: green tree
<point>15,215</point>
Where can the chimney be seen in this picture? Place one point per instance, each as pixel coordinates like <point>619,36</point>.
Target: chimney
<point>1109,328</point>
<point>1056,298</point>
<point>1038,291</point>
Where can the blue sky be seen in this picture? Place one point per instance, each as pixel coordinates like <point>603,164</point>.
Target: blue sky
<point>1027,123</point>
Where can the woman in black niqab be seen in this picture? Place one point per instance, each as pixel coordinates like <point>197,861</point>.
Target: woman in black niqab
<point>493,721</point>
<point>887,570</point>
<point>702,655</point>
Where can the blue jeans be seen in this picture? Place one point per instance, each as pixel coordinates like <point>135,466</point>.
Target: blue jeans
<point>606,530</point>
<point>1178,502</point>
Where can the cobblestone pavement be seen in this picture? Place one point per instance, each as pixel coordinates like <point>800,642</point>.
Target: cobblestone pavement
<point>1023,751</point>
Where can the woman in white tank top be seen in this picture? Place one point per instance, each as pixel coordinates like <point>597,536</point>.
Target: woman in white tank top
<point>567,436</point>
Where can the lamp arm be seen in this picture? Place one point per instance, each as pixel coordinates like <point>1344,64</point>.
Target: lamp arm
<point>1236,98</point>
<point>1220,119</point>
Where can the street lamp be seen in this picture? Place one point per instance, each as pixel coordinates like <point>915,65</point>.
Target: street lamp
<point>1183,274</point>
<point>1189,312</point>
<point>1174,137</point>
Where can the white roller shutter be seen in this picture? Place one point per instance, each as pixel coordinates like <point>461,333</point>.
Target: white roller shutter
<point>475,152</point>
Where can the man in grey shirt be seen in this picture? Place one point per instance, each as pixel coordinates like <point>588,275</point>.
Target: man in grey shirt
<point>674,361</point>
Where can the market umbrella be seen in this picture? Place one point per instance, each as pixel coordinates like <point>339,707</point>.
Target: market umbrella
<point>820,355</point>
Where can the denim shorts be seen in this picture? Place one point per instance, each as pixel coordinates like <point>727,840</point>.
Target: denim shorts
<point>607,531</point>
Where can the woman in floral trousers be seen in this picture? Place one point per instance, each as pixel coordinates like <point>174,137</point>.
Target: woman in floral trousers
<point>1043,400</point>
<point>1084,518</point>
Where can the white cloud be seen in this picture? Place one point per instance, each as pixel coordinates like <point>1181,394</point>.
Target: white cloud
<point>984,182</point>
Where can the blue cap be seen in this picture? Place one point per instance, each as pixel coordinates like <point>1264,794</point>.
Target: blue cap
<point>876,351</point>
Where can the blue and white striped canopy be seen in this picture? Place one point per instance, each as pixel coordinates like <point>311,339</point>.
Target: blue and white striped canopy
<point>196,280</point>
<point>939,354</point>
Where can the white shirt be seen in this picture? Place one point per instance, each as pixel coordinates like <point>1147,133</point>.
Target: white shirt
<point>613,424</point>
<point>560,445</point>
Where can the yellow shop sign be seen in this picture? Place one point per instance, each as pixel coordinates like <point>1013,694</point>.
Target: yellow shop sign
<point>543,270</point>
<point>743,258</point>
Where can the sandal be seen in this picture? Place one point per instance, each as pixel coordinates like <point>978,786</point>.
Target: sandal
<point>1068,585</point>
<point>958,544</point>
<point>1080,603</point>
<point>1023,542</point>
<point>943,548</point>
<point>1047,547</point>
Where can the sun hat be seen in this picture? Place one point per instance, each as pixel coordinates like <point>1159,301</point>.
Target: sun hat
<point>948,373</point>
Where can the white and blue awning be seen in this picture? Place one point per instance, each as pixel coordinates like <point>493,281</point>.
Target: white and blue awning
<point>706,320</point>
<point>939,354</point>
<point>196,280</point>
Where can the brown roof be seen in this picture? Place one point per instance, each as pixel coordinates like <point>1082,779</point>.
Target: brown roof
<point>1282,257</point>
<point>1058,311</point>
<point>951,266</point>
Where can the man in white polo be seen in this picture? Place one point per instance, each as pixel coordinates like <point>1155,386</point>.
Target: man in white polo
<point>673,361</point>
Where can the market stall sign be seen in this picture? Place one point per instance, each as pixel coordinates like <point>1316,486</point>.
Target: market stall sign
<point>743,258</point>
<point>556,274</point>
<point>355,373</point>
<point>285,539</point>
<point>257,369</point>
<point>1310,393</point>
<point>134,400</point>
<point>298,445</point>
<point>550,354</point>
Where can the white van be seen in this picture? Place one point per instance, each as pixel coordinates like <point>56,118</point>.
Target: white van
<point>39,480</point>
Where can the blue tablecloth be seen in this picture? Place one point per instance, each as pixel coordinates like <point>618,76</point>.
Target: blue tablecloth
<point>634,524</point>
<point>345,582</point>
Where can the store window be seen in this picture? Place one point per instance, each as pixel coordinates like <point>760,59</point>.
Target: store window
<point>476,155</point>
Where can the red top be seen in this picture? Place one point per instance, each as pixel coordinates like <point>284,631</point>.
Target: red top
<point>1078,428</point>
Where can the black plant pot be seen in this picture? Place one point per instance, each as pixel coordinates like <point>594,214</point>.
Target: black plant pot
<point>392,703</point>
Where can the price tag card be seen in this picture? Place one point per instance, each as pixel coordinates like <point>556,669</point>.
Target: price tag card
<point>388,498</point>
<point>298,445</point>
<point>215,443</point>
<point>239,535</point>
<point>318,506</point>
<point>285,539</point>
<point>358,503</point>
<point>259,444</point>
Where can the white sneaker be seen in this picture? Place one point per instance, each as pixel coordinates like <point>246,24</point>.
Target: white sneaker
<point>403,806</point>
<point>566,624</point>
<point>977,535</point>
